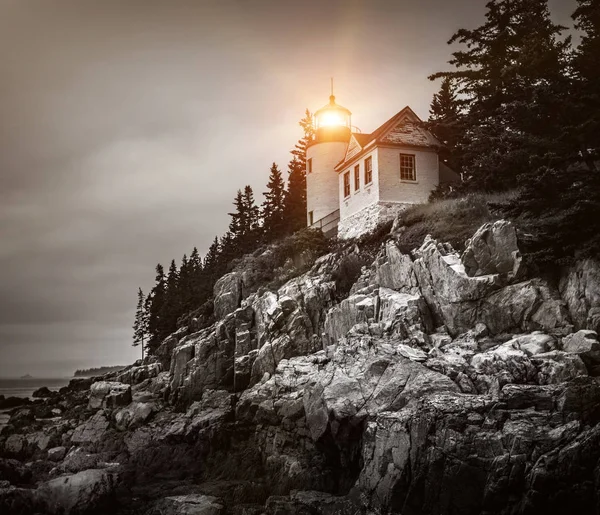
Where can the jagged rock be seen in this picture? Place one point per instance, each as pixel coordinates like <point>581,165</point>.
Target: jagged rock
<point>108,394</point>
<point>44,391</point>
<point>227,294</point>
<point>585,344</point>
<point>393,269</point>
<point>14,444</point>
<point>580,288</point>
<point>505,364</point>
<point>137,374</point>
<point>134,414</point>
<point>92,430</point>
<point>57,453</point>
<point>192,504</point>
<point>493,250</point>
<point>399,314</point>
<point>310,502</point>
<point>78,493</point>
<point>556,367</point>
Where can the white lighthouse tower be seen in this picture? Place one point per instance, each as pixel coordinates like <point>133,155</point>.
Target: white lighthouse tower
<point>332,133</point>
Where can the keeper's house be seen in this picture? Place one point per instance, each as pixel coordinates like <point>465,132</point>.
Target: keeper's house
<point>355,181</point>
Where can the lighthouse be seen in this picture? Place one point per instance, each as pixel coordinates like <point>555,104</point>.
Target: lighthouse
<point>333,129</point>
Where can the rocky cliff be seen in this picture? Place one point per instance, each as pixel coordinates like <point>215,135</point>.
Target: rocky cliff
<point>443,383</point>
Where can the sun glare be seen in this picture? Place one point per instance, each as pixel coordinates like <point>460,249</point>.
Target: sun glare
<point>331,119</point>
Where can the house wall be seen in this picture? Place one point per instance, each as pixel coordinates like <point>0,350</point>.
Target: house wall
<point>322,193</point>
<point>392,189</point>
<point>366,195</point>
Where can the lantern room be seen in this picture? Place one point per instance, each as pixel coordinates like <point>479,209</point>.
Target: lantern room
<point>332,122</point>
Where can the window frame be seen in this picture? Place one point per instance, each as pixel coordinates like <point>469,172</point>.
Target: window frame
<point>413,169</point>
<point>356,177</point>
<point>346,182</point>
<point>368,170</point>
<point>309,167</point>
<point>311,218</point>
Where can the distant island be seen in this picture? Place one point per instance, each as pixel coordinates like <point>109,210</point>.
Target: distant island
<point>90,372</point>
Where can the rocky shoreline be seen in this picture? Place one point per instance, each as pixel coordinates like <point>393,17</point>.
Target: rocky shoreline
<point>443,383</point>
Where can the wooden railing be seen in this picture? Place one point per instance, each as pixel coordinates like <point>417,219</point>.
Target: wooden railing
<point>328,224</point>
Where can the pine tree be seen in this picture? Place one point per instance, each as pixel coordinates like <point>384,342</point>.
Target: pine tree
<point>172,306</point>
<point>512,78</point>
<point>211,260</point>
<point>140,325</point>
<point>585,95</point>
<point>446,123</point>
<point>295,195</point>
<point>273,208</point>
<point>252,229</point>
<point>157,301</point>
<point>238,223</point>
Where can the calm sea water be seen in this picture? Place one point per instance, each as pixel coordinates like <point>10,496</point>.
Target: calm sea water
<point>25,387</point>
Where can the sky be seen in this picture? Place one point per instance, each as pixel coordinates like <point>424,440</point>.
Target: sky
<point>127,126</point>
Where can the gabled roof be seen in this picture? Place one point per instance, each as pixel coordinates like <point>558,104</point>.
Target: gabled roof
<point>404,129</point>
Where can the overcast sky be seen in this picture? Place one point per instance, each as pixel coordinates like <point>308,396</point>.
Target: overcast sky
<point>126,127</point>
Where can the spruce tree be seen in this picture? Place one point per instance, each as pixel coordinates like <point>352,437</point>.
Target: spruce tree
<point>273,208</point>
<point>140,325</point>
<point>295,195</point>
<point>585,96</point>
<point>237,225</point>
<point>446,123</point>
<point>172,306</point>
<point>252,228</point>
<point>511,76</point>
<point>157,301</point>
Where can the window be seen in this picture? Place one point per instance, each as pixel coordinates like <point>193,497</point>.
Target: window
<point>311,215</point>
<point>407,167</point>
<point>347,184</point>
<point>309,165</point>
<point>356,177</point>
<point>368,170</point>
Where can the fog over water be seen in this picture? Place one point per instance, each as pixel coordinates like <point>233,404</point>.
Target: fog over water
<point>126,127</point>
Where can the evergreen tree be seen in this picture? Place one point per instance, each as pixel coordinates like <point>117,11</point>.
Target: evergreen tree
<point>140,325</point>
<point>211,260</point>
<point>273,208</point>
<point>446,123</point>
<point>295,195</point>
<point>584,130</point>
<point>172,306</point>
<point>512,78</point>
<point>156,303</point>
<point>252,229</point>
<point>238,222</point>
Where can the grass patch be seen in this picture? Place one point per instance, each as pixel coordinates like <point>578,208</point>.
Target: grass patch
<point>452,220</point>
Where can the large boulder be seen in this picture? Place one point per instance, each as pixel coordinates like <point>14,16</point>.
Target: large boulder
<point>191,504</point>
<point>92,430</point>
<point>82,492</point>
<point>580,288</point>
<point>493,250</point>
<point>585,344</point>
<point>109,394</point>
<point>227,294</point>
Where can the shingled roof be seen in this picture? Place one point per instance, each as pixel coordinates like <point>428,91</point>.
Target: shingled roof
<point>404,129</point>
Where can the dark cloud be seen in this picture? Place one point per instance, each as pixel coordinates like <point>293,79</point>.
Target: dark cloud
<point>126,126</point>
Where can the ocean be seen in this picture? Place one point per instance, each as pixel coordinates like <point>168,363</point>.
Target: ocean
<point>26,386</point>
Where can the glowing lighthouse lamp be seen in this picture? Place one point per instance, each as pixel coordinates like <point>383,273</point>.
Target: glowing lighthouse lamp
<point>333,122</point>
<point>333,130</point>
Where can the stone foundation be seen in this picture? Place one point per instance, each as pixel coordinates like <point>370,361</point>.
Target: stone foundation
<point>369,218</point>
